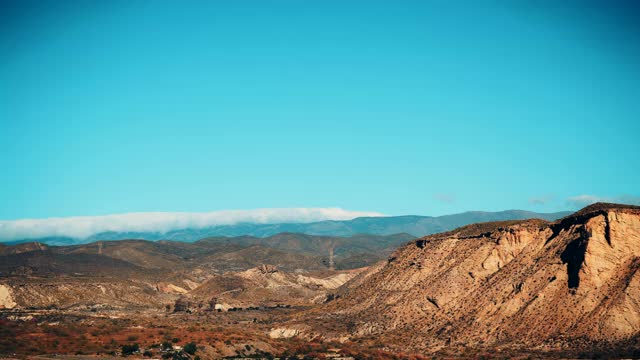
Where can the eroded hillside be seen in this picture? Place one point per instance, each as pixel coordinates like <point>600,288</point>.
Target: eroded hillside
<point>156,275</point>
<point>520,284</point>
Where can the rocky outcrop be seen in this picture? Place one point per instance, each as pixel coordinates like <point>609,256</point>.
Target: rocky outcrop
<point>267,269</point>
<point>6,298</point>
<point>283,333</point>
<point>522,283</point>
<point>70,293</point>
<point>170,288</point>
<point>266,286</point>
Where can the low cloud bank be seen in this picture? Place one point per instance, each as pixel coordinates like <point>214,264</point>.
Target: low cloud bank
<point>81,227</point>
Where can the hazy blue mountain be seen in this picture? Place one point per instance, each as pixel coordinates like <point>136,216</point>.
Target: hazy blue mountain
<point>52,240</point>
<point>411,224</point>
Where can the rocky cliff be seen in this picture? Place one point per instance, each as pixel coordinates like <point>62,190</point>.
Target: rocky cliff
<point>520,283</point>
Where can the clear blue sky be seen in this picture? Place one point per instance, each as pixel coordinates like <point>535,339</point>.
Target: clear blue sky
<point>401,107</point>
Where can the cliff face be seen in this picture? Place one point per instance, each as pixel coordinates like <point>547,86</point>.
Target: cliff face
<point>524,283</point>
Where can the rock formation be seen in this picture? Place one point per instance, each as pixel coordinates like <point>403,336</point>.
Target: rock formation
<point>519,283</point>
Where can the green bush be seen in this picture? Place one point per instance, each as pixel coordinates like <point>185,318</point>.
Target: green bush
<point>190,348</point>
<point>130,349</point>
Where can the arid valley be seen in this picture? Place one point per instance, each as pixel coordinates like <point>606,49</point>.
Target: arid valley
<point>319,179</point>
<point>517,288</point>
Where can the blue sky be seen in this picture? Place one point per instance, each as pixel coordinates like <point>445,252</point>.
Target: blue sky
<point>398,107</point>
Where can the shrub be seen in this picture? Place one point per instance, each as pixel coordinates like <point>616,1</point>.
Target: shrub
<point>130,349</point>
<point>190,348</point>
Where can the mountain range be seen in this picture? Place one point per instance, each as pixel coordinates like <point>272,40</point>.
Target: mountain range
<point>289,251</point>
<point>414,225</point>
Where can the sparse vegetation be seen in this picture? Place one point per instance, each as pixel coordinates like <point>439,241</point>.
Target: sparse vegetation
<point>190,348</point>
<point>130,349</point>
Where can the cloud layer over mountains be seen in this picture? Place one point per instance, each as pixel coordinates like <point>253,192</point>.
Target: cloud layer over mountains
<point>85,226</point>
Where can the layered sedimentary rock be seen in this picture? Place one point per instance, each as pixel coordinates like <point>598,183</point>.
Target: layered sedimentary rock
<point>523,283</point>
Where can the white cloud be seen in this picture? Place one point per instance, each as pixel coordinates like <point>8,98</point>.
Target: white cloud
<point>585,200</point>
<point>85,226</point>
<point>542,200</point>
<point>445,198</point>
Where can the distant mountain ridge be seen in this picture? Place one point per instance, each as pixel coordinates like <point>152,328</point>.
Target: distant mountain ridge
<point>415,225</point>
<point>289,251</point>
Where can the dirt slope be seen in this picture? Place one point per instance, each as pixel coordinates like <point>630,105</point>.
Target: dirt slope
<point>519,283</point>
<point>269,286</point>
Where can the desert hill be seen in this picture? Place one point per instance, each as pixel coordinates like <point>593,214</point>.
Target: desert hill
<point>288,251</point>
<point>564,284</point>
<point>143,273</point>
<point>268,286</point>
